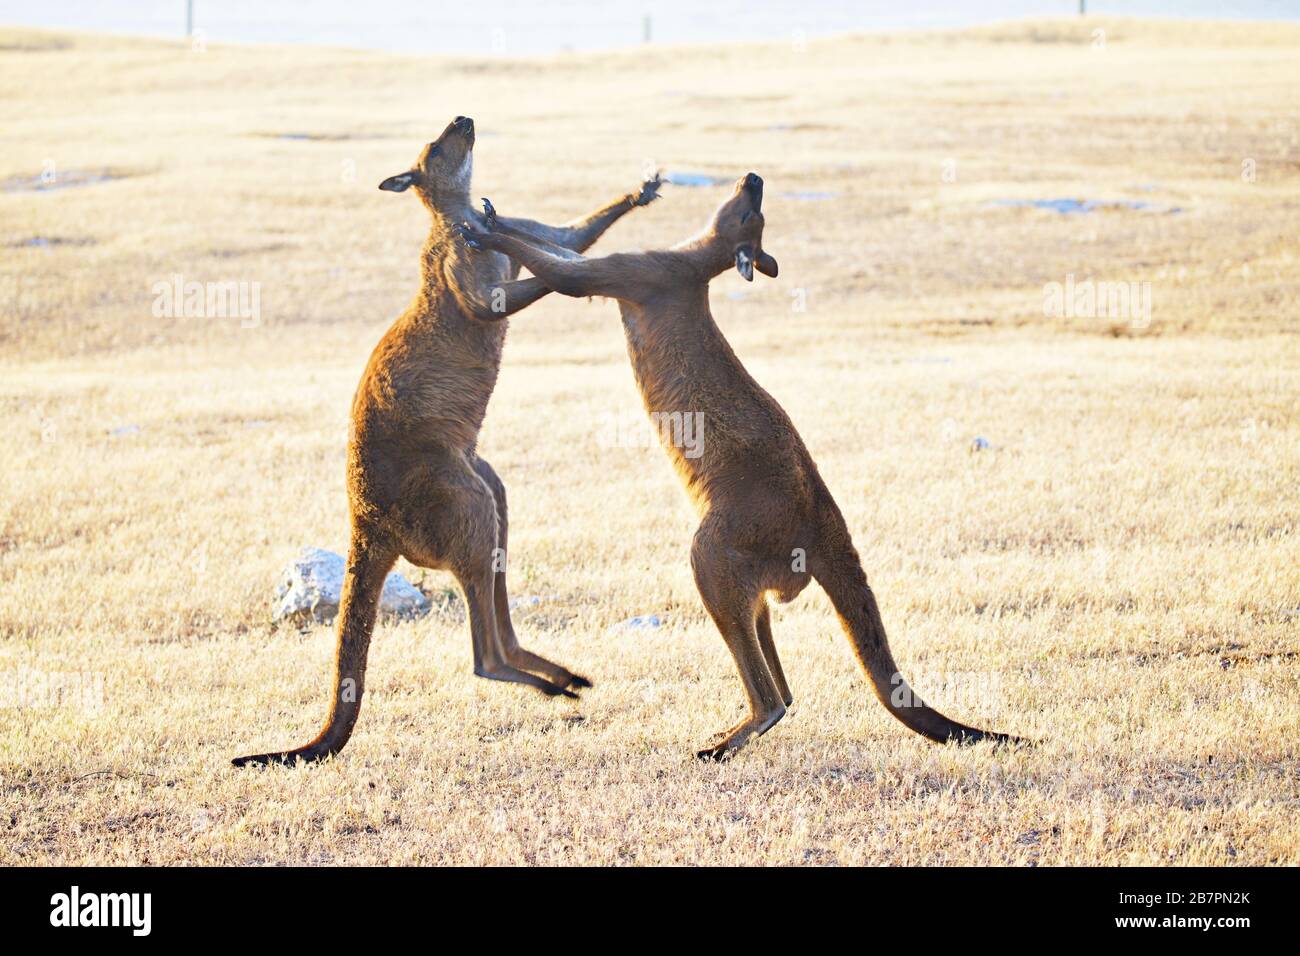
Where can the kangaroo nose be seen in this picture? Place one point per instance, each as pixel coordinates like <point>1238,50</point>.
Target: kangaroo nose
<point>753,181</point>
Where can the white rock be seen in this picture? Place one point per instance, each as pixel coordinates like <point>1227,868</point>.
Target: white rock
<point>310,588</point>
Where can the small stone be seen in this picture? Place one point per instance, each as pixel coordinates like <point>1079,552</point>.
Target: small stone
<point>639,623</point>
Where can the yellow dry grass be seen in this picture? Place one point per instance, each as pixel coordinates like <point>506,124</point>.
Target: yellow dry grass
<point>1118,575</point>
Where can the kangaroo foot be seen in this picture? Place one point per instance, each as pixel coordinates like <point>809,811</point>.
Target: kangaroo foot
<point>722,735</point>
<point>523,659</point>
<point>732,740</point>
<point>504,672</point>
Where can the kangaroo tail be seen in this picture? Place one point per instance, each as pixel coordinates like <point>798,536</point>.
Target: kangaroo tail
<point>845,583</point>
<point>362,585</point>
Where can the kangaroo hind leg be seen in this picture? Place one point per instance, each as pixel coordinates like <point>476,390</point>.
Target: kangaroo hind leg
<point>763,627</point>
<point>731,596</point>
<point>457,528</point>
<point>516,655</point>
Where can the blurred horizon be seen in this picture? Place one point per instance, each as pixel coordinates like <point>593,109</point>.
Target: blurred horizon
<point>521,28</point>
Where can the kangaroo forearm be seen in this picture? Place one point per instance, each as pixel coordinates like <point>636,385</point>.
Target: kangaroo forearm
<point>520,293</point>
<point>509,227</point>
<point>582,233</point>
<point>504,299</point>
<point>578,235</point>
<point>563,275</point>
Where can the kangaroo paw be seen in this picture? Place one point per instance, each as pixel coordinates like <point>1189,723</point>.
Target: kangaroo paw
<point>489,212</point>
<point>470,235</point>
<point>648,192</point>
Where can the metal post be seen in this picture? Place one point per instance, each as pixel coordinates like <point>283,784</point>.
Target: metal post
<point>645,29</point>
<point>189,18</point>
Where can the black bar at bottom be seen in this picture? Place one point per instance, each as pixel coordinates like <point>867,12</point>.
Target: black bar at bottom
<point>564,907</point>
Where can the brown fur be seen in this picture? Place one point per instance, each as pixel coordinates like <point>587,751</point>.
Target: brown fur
<point>760,498</point>
<point>416,485</point>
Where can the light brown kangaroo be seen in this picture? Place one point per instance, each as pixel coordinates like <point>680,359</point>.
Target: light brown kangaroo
<point>416,484</point>
<point>768,523</point>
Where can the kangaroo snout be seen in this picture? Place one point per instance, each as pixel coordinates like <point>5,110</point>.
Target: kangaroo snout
<point>465,126</point>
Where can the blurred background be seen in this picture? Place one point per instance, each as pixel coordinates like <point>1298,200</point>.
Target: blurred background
<point>522,27</point>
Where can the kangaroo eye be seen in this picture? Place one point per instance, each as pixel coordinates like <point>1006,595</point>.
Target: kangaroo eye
<point>435,151</point>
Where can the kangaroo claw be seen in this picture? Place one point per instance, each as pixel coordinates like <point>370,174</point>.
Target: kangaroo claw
<point>489,212</point>
<point>467,233</point>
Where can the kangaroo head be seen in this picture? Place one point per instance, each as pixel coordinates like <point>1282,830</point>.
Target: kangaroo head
<point>737,229</point>
<point>442,174</point>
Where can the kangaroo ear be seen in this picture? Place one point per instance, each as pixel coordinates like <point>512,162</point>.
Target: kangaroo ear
<point>745,263</point>
<point>766,265</point>
<point>399,183</point>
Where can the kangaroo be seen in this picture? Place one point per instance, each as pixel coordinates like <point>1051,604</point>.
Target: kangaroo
<point>416,485</point>
<point>768,523</point>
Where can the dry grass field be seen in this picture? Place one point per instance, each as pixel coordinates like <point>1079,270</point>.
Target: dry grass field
<point>1117,574</point>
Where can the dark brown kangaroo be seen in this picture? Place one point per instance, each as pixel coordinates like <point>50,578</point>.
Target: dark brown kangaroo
<point>416,485</point>
<point>768,522</point>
